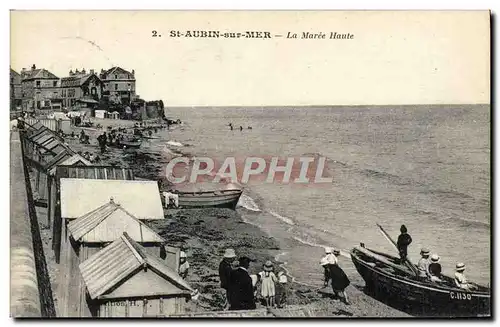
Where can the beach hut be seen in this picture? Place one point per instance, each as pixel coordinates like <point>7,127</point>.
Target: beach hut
<point>89,234</point>
<point>100,113</point>
<point>78,196</point>
<point>44,176</point>
<point>43,150</point>
<point>114,115</point>
<point>124,280</point>
<point>77,171</point>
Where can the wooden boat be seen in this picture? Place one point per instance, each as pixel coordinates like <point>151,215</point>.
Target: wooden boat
<point>204,199</point>
<point>135,144</point>
<point>131,144</point>
<point>150,137</point>
<point>387,277</point>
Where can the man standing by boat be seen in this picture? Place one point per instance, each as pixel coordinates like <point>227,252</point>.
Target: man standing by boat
<point>404,240</point>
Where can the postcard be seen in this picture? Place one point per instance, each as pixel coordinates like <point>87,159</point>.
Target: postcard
<point>249,164</point>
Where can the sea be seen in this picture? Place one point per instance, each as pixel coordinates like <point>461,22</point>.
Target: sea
<point>424,166</point>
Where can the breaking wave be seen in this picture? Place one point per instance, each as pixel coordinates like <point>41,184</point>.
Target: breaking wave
<point>174,143</point>
<point>284,219</point>
<point>312,243</point>
<point>248,203</point>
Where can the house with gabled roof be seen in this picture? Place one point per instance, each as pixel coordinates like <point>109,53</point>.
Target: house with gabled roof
<point>40,89</point>
<point>124,280</point>
<point>118,85</point>
<point>89,234</point>
<point>81,89</point>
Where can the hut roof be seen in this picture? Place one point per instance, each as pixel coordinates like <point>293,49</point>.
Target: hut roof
<point>107,223</point>
<point>94,172</point>
<point>80,196</point>
<point>118,262</point>
<point>58,159</point>
<point>75,159</point>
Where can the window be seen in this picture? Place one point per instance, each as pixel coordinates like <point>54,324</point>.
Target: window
<point>54,83</point>
<point>116,76</point>
<point>12,80</point>
<point>116,87</point>
<point>37,83</point>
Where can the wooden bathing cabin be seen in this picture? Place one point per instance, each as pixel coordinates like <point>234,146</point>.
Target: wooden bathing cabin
<point>43,151</point>
<point>81,172</point>
<point>89,234</point>
<point>125,280</point>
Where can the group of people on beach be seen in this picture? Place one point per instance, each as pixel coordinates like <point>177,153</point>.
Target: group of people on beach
<point>242,288</point>
<point>429,268</point>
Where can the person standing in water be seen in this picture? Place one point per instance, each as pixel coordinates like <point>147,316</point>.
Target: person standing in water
<point>404,240</point>
<point>241,128</point>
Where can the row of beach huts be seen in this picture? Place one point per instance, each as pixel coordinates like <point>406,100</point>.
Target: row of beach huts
<point>109,262</point>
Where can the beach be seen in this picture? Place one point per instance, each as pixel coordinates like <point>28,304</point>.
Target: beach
<point>390,165</point>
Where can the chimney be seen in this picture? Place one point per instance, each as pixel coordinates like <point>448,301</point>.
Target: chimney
<point>77,72</point>
<point>71,72</point>
<point>33,67</point>
<point>133,72</point>
<point>91,71</point>
<point>83,71</point>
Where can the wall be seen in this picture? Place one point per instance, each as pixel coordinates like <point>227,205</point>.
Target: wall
<point>24,294</point>
<point>31,292</point>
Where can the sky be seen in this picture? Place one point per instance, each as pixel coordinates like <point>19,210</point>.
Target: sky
<point>394,57</point>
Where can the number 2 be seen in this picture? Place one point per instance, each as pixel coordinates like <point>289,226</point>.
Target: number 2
<point>155,33</point>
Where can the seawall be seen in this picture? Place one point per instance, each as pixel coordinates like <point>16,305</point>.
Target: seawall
<point>30,291</point>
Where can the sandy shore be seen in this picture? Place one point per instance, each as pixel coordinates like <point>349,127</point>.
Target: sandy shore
<point>204,234</point>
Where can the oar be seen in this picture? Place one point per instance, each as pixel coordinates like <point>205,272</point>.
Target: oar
<point>408,262</point>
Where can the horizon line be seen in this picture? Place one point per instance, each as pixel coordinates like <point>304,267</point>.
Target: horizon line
<point>325,105</point>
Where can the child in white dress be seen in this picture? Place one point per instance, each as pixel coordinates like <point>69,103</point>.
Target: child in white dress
<point>268,278</point>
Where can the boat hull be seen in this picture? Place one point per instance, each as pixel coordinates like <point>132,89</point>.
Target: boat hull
<point>220,199</point>
<point>128,145</point>
<point>446,300</point>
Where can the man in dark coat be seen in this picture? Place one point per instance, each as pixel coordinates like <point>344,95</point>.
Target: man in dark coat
<point>225,271</point>
<point>241,289</point>
<point>102,141</point>
<point>404,240</point>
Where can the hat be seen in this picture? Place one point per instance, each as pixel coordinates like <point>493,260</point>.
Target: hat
<point>328,250</point>
<point>434,258</point>
<point>324,261</point>
<point>403,229</point>
<point>229,253</point>
<point>425,251</point>
<point>183,254</point>
<point>336,251</point>
<point>268,266</point>
<point>460,266</point>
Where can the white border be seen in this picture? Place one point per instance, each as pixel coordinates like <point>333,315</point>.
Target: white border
<point>494,5</point>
